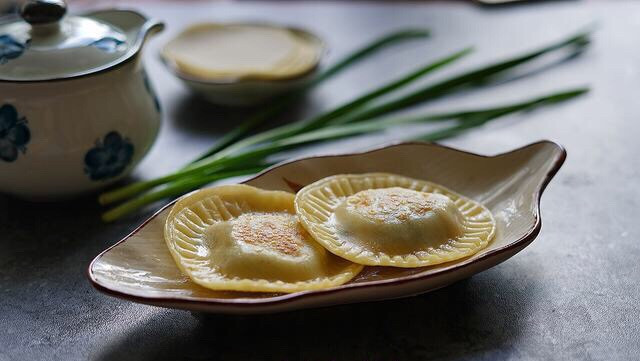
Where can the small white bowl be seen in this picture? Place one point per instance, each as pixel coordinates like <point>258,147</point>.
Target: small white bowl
<point>247,90</point>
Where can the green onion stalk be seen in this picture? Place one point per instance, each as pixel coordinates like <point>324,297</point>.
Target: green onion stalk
<point>462,121</point>
<point>286,130</point>
<point>358,110</point>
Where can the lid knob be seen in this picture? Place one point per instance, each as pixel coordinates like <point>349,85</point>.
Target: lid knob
<point>41,12</point>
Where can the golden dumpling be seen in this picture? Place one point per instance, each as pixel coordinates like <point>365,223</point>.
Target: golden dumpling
<point>241,238</point>
<point>390,220</point>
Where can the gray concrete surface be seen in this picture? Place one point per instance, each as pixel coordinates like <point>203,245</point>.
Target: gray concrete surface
<point>573,294</point>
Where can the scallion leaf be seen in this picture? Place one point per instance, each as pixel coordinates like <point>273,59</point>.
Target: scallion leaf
<point>464,120</point>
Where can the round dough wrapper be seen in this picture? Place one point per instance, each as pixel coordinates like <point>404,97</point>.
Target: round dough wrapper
<point>241,238</point>
<point>382,219</point>
<point>219,52</point>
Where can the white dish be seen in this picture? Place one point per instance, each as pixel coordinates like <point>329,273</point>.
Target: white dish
<point>139,268</point>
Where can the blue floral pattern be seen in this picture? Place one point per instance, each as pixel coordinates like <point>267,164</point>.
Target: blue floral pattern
<point>10,48</point>
<point>109,158</point>
<point>14,133</point>
<point>151,91</point>
<point>108,44</point>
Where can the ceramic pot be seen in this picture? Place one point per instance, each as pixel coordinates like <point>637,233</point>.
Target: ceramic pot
<point>77,110</point>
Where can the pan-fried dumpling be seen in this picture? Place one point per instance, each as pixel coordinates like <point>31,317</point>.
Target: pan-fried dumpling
<point>241,238</point>
<point>389,220</point>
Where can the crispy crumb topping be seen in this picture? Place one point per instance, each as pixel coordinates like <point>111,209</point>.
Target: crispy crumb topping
<point>396,205</point>
<point>278,232</point>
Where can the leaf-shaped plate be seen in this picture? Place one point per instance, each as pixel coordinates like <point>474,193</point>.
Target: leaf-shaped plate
<point>139,268</point>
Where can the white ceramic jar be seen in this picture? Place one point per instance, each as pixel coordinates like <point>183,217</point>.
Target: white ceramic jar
<point>77,110</point>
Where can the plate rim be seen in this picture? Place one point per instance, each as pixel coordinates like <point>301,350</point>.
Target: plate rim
<point>246,303</point>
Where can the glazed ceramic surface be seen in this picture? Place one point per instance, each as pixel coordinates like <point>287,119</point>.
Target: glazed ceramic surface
<point>247,91</point>
<point>139,268</point>
<point>76,112</point>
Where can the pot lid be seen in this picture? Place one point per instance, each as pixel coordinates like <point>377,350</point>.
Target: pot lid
<point>46,45</point>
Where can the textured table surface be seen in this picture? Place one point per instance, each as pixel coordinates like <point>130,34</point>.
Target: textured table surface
<point>573,294</point>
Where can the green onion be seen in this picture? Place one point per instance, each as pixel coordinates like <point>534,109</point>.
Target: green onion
<point>478,118</point>
<point>285,130</point>
<point>468,119</point>
<point>352,114</point>
<point>465,120</point>
<point>575,43</point>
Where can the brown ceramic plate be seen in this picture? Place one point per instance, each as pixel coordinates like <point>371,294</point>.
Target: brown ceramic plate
<point>139,268</point>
